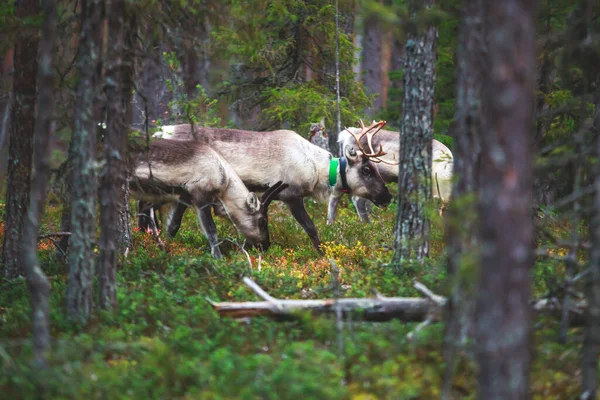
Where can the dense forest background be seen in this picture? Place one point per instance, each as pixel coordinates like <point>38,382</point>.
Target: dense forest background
<point>508,277</point>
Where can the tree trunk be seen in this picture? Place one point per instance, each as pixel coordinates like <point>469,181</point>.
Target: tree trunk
<point>6,66</point>
<point>83,202</point>
<point>113,177</point>
<point>503,330</point>
<point>395,92</point>
<point>591,344</point>
<point>461,223</point>
<point>543,185</point>
<point>20,151</point>
<point>411,234</point>
<point>372,60</point>
<point>152,96</point>
<point>345,26</point>
<point>65,177</point>
<point>39,286</point>
<point>129,58</point>
<point>396,62</point>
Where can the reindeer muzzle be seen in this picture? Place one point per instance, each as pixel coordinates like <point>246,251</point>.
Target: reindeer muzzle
<point>383,199</point>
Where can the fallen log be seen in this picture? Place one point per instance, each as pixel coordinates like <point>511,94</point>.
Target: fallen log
<point>377,309</point>
<point>426,310</point>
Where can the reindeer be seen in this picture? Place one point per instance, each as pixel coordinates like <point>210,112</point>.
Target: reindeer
<point>260,158</point>
<point>191,172</point>
<point>387,158</point>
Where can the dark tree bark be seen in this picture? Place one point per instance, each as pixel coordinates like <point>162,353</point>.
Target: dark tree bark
<point>39,286</point>
<point>395,92</point>
<point>396,62</point>
<point>591,344</point>
<point>129,58</point>
<point>372,60</point>
<point>345,26</point>
<point>543,185</point>
<point>461,224</point>
<point>189,64</point>
<point>6,66</point>
<point>65,177</point>
<point>503,327</point>
<point>411,234</point>
<point>20,151</point>
<point>152,98</point>
<point>112,180</point>
<point>83,202</point>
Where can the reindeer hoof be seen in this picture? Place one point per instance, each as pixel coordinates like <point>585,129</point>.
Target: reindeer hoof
<point>216,253</point>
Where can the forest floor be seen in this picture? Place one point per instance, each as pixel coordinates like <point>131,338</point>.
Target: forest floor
<point>165,341</point>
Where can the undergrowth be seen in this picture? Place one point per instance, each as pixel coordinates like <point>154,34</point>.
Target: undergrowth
<point>165,341</point>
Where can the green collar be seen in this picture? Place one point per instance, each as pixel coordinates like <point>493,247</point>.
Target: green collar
<point>333,167</point>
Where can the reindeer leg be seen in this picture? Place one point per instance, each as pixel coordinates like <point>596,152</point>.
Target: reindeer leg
<point>209,228</point>
<point>158,213</point>
<point>174,218</point>
<point>296,206</point>
<point>334,198</point>
<point>363,208</point>
<point>144,221</point>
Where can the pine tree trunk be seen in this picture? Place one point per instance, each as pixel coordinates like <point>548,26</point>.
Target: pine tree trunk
<point>461,223</point>
<point>6,66</point>
<point>152,98</point>
<point>344,26</point>
<point>65,177</point>
<point>591,344</point>
<point>543,185</point>
<point>411,235</point>
<point>112,179</point>
<point>83,203</point>
<point>372,59</point>
<point>20,151</point>
<point>395,83</point>
<point>39,286</point>
<point>129,58</point>
<point>503,327</point>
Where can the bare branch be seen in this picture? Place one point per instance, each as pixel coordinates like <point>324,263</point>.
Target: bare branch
<point>259,291</point>
<point>438,300</point>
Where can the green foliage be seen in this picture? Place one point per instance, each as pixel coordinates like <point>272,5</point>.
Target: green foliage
<point>272,46</point>
<point>302,104</point>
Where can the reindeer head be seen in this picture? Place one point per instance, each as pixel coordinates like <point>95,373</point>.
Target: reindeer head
<point>256,225</point>
<point>362,173</point>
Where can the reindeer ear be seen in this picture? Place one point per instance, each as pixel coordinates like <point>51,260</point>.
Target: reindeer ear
<point>351,155</point>
<point>252,203</point>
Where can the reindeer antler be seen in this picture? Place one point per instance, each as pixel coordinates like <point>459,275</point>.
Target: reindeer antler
<point>271,192</point>
<point>370,131</point>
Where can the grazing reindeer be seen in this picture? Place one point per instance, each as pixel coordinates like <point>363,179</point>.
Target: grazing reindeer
<point>192,172</point>
<point>260,158</point>
<point>388,143</point>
